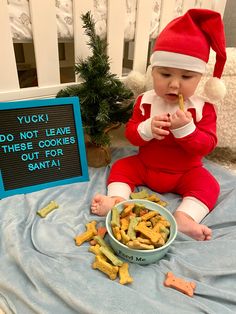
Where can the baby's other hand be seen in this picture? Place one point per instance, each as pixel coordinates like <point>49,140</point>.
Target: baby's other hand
<point>159,124</point>
<point>180,118</point>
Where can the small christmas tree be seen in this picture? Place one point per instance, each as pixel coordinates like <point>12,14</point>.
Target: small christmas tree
<point>104,99</point>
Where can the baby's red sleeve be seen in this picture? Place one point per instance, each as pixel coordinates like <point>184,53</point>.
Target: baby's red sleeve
<point>138,116</point>
<point>204,139</point>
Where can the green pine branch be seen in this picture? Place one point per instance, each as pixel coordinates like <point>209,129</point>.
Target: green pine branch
<point>104,99</point>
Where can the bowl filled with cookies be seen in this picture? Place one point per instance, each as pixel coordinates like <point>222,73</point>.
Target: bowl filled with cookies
<point>140,231</point>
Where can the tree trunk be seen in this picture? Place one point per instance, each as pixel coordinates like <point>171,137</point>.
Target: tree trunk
<point>98,156</point>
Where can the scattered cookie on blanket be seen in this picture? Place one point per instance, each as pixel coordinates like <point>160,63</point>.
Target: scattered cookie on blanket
<point>105,267</point>
<point>88,234</point>
<point>83,237</point>
<point>92,226</point>
<point>124,275</point>
<point>101,231</point>
<point>162,203</point>
<point>103,243</point>
<point>105,259</point>
<point>111,256</point>
<point>186,287</point>
<point>143,194</point>
<point>139,195</point>
<point>95,249</point>
<point>43,212</point>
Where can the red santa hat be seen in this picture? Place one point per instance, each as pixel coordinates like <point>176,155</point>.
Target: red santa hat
<point>185,43</point>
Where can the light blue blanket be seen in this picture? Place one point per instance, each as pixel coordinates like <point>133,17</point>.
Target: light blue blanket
<point>42,270</point>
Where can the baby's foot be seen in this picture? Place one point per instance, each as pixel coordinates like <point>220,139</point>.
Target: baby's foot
<point>101,204</point>
<point>191,228</point>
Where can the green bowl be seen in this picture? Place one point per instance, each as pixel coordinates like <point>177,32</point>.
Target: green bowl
<point>142,256</point>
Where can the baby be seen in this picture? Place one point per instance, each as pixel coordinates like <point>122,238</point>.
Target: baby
<point>172,141</point>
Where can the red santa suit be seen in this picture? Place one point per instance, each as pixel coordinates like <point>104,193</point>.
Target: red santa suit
<point>173,164</point>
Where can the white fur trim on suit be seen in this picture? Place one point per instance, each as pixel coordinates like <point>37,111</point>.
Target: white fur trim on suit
<point>119,189</point>
<point>159,106</point>
<point>184,130</point>
<point>194,208</point>
<point>144,130</point>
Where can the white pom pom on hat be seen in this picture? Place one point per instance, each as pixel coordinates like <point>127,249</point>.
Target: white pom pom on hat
<point>136,82</point>
<point>215,89</point>
<point>185,43</point>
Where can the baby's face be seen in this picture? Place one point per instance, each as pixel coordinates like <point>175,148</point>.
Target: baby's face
<point>168,83</point>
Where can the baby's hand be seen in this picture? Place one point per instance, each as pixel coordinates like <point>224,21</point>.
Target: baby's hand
<point>158,124</point>
<point>180,118</point>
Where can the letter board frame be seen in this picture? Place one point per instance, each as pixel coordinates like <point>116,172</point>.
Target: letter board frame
<point>41,145</point>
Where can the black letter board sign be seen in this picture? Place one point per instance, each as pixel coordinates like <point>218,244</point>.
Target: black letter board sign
<point>41,145</point>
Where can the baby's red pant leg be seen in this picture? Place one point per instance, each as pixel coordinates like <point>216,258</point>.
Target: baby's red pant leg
<point>128,170</point>
<point>199,183</point>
